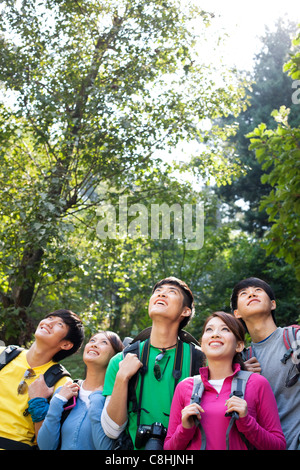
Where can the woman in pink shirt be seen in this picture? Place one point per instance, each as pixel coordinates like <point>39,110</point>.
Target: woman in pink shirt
<point>222,342</point>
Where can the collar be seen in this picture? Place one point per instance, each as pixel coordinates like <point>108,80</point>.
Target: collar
<point>204,372</point>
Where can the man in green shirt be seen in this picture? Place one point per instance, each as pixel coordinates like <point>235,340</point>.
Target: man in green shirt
<point>171,307</point>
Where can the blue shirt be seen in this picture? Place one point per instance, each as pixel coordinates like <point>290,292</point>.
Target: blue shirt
<point>81,430</point>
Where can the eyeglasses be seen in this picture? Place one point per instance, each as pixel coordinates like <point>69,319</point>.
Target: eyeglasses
<point>291,380</point>
<point>158,374</point>
<point>23,386</point>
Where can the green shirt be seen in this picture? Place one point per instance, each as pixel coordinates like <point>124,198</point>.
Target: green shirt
<point>157,395</point>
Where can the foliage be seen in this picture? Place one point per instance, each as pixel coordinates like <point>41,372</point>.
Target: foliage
<point>279,153</point>
<point>271,89</point>
<point>280,150</point>
<point>94,92</point>
<point>97,98</point>
<point>293,65</point>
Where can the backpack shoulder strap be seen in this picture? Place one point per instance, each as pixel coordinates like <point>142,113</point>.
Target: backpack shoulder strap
<point>187,337</point>
<point>197,358</point>
<point>239,382</point>
<point>133,348</point>
<point>198,389</point>
<point>143,335</point>
<point>238,387</point>
<point>66,411</point>
<point>177,369</point>
<point>8,354</point>
<point>54,374</point>
<point>247,353</point>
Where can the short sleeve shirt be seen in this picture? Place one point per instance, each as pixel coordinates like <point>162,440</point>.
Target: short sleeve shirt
<point>15,423</point>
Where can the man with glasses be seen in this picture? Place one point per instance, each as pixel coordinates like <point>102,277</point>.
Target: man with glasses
<point>57,336</point>
<point>253,301</point>
<point>146,417</point>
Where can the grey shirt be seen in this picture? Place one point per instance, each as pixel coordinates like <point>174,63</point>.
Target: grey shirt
<point>269,354</point>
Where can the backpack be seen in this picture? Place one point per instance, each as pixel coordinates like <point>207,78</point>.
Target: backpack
<point>52,375</point>
<point>133,346</point>
<point>197,356</point>
<point>238,387</point>
<point>290,342</point>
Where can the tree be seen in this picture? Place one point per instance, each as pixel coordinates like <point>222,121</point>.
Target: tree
<point>96,90</point>
<point>271,89</point>
<point>279,152</point>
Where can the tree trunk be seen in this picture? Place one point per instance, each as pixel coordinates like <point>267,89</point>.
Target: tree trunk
<point>21,326</point>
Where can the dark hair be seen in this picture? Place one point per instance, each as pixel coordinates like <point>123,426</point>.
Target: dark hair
<point>188,298</point>
<point>114,340</point>
<point>75,334</point>
<point>251,282</point>
<point>235,327</point>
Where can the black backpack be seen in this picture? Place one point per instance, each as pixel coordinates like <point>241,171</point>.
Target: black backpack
<point>133,346</point>
<point>52,375</point>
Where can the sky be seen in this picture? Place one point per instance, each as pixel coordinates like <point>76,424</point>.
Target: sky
<point>245,22</point>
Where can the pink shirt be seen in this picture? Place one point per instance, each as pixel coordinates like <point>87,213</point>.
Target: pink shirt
<point>261,426</point>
